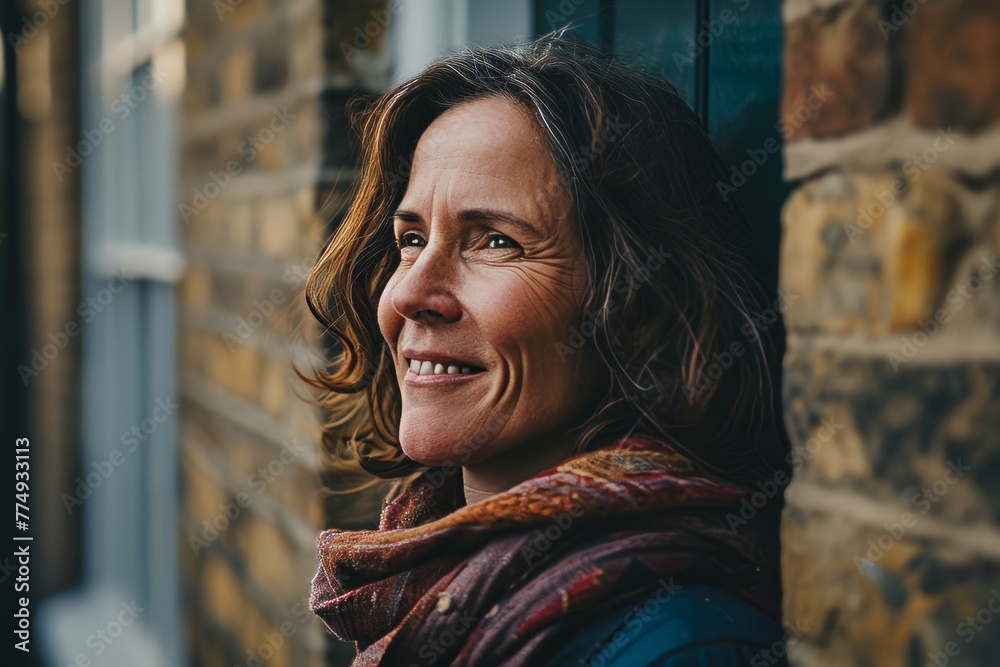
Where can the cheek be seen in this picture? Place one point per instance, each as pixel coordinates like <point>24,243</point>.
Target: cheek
<point>547,294</point>
<point>533,316</point>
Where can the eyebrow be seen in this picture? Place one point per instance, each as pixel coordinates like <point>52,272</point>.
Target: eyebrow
<point>475,215</point>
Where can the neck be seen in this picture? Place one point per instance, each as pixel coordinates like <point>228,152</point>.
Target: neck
<point>510,468</point>
<point>473,496</point>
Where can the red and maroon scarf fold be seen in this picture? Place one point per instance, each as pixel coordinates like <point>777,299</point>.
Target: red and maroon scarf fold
<point>510,579</point>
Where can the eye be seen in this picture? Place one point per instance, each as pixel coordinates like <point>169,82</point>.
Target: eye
<point>409,239</point>
<point>500,242</point>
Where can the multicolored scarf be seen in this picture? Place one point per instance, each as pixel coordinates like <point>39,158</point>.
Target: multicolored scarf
<point>511,579</point>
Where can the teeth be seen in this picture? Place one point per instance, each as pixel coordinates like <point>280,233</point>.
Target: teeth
<point>430,368</point>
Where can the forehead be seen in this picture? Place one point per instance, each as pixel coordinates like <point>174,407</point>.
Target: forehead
<point>486,127</point>
<point>487,152</point>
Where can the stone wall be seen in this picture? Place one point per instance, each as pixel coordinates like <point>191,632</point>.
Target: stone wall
<point>265,164</point>
<point>892,376</point>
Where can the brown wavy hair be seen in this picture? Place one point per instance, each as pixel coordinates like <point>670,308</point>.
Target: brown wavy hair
<point>642,174</point>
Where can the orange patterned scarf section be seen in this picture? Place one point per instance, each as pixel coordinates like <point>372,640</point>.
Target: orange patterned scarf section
<point>507,581</point>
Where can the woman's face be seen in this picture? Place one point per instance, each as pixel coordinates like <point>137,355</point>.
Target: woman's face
<point>490,282</point>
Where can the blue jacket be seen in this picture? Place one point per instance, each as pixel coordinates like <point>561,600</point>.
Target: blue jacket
<point>694,626</point>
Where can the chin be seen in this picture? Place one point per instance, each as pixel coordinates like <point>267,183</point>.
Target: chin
<point>429,446</point>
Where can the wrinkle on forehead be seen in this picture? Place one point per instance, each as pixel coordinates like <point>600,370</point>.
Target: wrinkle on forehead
<point>487,139</point>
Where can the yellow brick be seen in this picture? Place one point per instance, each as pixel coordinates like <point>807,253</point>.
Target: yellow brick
<point>272,146</point>
<point>222,592</point>
<point>296,486</point>
<point>305,203</point>
<point>272,648</point>
<point>202,494</point>
<point>246,371</point>
<point>860,594</point>
<point>234,17</point>
<point>236,370</point>
<point>241,227</point>
<point>278,232</point>
<point>196,288</point>
<point>253,289</point>
<point>274,388</point>
<point>236,80</point>
<point>861,253</point>
<point>243,456</point>
<point>305,132</point>
<point>315,512</point>
<point>287,315</point>
<point>306,58</point>
<point>307,419</point>
<point>254,627</point>
<point>269,558</point>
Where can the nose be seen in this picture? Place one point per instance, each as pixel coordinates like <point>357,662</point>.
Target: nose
<point>425,294</point>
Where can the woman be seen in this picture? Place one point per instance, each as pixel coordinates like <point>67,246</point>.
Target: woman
<point>549,339</point>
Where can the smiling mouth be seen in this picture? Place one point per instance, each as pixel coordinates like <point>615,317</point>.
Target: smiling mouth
<point>425,367</point>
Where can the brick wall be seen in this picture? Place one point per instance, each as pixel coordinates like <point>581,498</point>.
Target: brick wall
<point>265,163</point>
<point>892,386</point>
